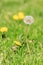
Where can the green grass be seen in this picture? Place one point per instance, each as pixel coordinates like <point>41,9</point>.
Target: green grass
<point>16,29</point>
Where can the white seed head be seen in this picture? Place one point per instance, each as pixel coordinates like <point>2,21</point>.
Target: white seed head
<point>28,19</point>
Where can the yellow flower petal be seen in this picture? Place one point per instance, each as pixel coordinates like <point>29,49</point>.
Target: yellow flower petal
<point>21,15</point>
<point>17,43</point>
<point>15,17</point>
<point>4,29</point>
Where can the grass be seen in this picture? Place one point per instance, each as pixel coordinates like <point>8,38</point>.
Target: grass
<point>16,31</point>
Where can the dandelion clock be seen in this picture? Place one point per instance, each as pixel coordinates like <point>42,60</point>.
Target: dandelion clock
<point>28,20</point>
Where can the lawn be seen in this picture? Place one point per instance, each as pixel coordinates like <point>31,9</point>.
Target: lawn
<point>16,31</point>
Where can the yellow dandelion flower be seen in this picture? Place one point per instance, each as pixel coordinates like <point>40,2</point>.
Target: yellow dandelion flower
<point>4,29</point>
<point>17,43</point>
<point>21,15</point>
<point>15,17</point>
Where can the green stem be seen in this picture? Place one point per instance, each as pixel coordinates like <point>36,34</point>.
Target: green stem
<point>27,38</point>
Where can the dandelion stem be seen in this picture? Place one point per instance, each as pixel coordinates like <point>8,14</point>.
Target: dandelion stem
<point>27,38</point>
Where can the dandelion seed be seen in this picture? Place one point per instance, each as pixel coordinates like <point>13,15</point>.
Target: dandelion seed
<point>28,20</point>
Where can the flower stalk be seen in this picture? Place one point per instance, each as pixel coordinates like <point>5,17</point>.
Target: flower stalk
<point>27,39</point>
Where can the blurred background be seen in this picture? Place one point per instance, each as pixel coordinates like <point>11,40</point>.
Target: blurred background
<point>16,31</point>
